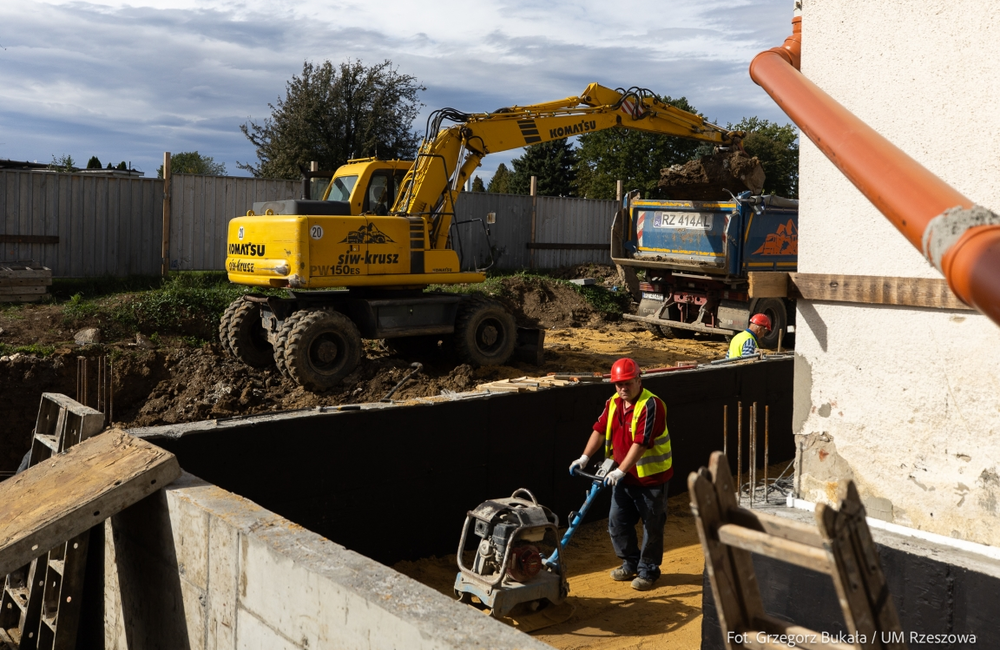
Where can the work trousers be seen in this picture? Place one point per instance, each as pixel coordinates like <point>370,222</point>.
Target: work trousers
<point>629,504</point>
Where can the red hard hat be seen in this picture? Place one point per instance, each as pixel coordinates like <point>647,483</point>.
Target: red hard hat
<point>761,319</point>
<point>624,370</point>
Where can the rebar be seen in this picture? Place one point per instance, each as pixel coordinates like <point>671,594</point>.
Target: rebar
<point>753,452</point>
<point>739,453</point>
<point>767,414</point>
<point>725,429</point>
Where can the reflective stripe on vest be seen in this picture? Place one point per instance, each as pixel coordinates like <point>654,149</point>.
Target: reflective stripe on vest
<point>654,460</point>
<point>736,345</point>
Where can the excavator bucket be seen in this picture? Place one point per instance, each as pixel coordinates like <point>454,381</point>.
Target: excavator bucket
<point>712,177</point>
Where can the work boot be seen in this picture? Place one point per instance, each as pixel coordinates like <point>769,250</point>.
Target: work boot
<point>621,574</point>
<point>642,584</point>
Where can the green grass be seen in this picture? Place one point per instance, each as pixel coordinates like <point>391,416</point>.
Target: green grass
<point>34,349</point>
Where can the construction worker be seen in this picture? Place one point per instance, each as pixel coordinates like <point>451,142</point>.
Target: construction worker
<point>746,342</point>
<point>633,431</point>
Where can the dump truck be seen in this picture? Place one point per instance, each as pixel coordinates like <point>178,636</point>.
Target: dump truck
<point>696,257</point>
<point>356,261</point>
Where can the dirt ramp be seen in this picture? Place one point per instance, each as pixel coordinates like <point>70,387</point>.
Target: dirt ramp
<point>708,178</point>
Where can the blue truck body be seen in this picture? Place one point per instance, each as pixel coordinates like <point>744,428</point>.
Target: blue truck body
<point>697,257</point>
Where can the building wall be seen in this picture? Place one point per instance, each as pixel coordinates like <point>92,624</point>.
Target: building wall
<point>902,400</point>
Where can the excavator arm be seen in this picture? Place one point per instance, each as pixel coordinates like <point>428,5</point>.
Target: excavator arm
<point>447,159</point>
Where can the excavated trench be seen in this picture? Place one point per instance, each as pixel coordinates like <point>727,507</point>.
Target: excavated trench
<point>394,482</point>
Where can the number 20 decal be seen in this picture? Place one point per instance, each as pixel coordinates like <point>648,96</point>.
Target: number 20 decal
<point>316,232</point>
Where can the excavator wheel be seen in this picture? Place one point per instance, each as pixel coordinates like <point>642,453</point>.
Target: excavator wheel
<point>282,340</point>
<point>774,309</point>
<point>485,334</point>
<point>227,317</point>
<point>247,338</point>
<point>323,347</point>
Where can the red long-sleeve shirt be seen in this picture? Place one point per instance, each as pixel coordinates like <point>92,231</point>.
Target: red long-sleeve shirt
<point>652,422</point>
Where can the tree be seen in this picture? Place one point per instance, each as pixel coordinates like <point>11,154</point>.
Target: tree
<point>477,185</point>
<point>192,162</point>
<point>94,163</point>
<point>63,164</point>
<point>632,156</point>
<point>551,163</point>
<point>500,183</point>
<point>332,115</point>
<point>777,148</point>
<point>122,166</point>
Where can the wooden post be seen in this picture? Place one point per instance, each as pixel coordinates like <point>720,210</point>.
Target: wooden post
<point>165,249</point>
<point>313,166</point>
<point>618,190</point>
<point>534,187</point>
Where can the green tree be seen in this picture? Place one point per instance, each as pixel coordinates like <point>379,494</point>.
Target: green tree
<point>632,156</point>
<point>333,114</point>
<point>477,185</point>
<point>122,166</point>
<point>552,163</point>
<point>500,183</point>
<point>94,163</point>
<point>777,148</point>
<point>192,162</point>
<point>63,164</point>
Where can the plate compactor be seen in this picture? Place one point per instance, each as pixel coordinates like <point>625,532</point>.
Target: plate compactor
<point>510,572</point>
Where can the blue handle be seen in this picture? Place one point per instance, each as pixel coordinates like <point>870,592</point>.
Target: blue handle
<point>553,560</point>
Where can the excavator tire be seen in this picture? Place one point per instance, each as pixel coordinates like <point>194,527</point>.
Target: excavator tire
<point>773,308</point>
<point>282,339</point>
<point>485,334</point>
<point>227,317</point>
<point>247,339</point>
<point>323,347</point>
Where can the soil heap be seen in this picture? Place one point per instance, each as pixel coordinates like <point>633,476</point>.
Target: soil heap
<point>712,177</point>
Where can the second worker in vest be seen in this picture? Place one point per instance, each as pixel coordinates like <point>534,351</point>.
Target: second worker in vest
<point>745,343</point>
<point>633,431</point>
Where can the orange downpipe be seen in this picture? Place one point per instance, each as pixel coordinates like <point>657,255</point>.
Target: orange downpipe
<point>905,191</point>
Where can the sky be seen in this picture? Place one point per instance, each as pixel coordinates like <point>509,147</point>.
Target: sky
<point>129,80</point>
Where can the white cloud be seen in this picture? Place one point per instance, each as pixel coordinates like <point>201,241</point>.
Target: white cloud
<point>129,79</point>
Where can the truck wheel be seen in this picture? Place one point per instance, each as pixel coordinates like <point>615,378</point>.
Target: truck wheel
<point>773,308</point>
<point>282,339</point>
<point>676,332</point>
<point>323,347</point>
<point>227,317</point>
<point>485,334</point>
<point>247,338</point>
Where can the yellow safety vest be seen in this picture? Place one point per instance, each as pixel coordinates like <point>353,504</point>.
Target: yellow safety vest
<point>736,345</point>
<point>654,460</point>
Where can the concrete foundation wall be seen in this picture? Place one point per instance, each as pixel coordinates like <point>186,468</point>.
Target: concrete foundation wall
<point>194,566</point>
<point>395,483</point>
<point>901,400</point>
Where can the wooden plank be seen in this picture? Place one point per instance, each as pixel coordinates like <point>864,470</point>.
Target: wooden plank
<point>25,282</point>
<point>68,494</point>
<point>768,284</point>
<point>778,526</point>
<point>931,293</point>
<point>33,297</point>
<point>21,290</point>
<point>26,274</point>
<point>29,239</point>
<point>795,553</point>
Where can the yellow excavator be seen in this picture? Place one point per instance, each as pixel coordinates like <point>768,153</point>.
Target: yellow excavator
<point>355,262</point>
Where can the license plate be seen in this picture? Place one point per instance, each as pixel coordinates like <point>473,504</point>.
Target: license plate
<point>653,296</point>
<point>696,220</point>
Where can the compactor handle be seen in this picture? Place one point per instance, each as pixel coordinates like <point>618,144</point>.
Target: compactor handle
<point>525,491</point>
<point>598,477</point>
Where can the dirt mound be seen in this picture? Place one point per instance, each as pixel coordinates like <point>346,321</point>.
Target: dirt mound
<point>175,381</point>
<point>708,178</point>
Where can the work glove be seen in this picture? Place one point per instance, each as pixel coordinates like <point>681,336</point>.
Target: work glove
<point>580,463</point>
<point>613,478</point>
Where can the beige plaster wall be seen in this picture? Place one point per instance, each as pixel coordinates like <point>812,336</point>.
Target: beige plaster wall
<point>904,401</point>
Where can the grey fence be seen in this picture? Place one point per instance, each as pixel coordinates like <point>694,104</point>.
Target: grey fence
<point>82,225</point>
<point>542,232</point>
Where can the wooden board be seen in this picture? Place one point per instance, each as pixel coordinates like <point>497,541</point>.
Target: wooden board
<point>931,293</point>
<point>21,297</point>
<point>21,282</point>
<point>69,493</point>
<point>26,290</point>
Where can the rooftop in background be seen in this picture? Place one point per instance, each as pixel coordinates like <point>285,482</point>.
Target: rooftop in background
<point>46,167</point>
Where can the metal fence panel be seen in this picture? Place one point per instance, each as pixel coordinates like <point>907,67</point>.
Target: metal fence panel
<point>574,222</point>
<point>95,218</point>
<point>201,208</point>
